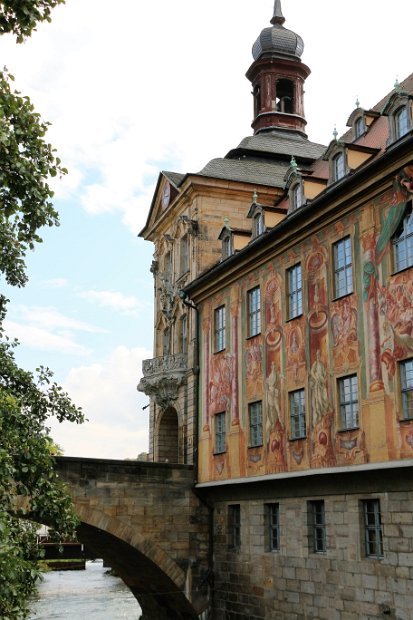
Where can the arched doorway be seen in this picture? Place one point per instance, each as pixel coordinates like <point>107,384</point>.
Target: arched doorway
<point>168,443</point>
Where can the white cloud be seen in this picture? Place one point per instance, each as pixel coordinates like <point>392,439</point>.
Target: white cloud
<point>51,319</point>
<point>43,340</point>
<point>117,426</point>
<point>114,300</point>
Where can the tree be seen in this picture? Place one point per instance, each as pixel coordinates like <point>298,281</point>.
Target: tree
<point>29,485</point>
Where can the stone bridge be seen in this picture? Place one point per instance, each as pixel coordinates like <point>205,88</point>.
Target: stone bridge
<point>146,521</point>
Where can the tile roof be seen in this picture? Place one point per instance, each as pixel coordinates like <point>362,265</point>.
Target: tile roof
<point>246,171</point>
<point>281,143</point>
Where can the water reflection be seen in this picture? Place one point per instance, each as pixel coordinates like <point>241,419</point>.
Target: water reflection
<point>91,594</point>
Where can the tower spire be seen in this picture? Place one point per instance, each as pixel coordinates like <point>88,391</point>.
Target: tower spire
<point>278,17</point>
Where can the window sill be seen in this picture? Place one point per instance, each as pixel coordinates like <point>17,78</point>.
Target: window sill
<point>253,336</point>
<point>297,438</point>
<point>293,318</point>
<point>405,420</point>
<point>348,430</point>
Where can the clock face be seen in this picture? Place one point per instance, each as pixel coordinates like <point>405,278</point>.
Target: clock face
<point>166,195</point>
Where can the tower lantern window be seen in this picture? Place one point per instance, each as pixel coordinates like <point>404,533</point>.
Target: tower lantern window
<point>284,96</point>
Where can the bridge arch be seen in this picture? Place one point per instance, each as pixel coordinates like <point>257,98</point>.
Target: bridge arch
<point>146,522</point>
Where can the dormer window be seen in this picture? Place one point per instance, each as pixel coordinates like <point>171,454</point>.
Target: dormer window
<point>297,197</point>
<point>401,118</point>
<point>359,127</point>
<point>258,224</point>
<point>339,168</point>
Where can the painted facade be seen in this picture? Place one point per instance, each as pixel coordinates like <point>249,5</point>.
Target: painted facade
<point>294,396</point>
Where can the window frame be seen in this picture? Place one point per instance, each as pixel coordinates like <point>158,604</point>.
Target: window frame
<point>402,242</point>
<point>272,526</point>
<point>372,528</point>
<point>298,422</point>
<point>254,311</point>
<point>339,166</point>
<point>259,224</point>
<point>220,433</point>
<point>234,526</point>
<point>359,127</point>
<point>345,402</point>
<point>343,267</point>
<point>406,389</point>
<point>401,122</point>
<point>220,328</point>
<point>317,533</point>
<point>255,424</point>
<point>294,291</point>
<point>227,246</point>
<point>297,196</point>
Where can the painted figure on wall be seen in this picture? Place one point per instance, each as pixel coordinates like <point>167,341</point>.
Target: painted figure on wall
<point>374,250</point>
<point>319,396</point>
<point>273,398</point>
<point>344,330</point>
<point>253,363</point>
<point>396,306</point>
<point>220,384</point>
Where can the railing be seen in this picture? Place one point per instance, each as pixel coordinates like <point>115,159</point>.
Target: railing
<point>164,364</point>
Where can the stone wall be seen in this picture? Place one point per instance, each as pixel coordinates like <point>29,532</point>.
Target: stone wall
<point>294,582</point>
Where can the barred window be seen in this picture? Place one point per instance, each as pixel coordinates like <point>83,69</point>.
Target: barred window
<point>317,526</point>
<point>373,530</point>
<point>254,311</point>
<point>295,292</point>
<point>219,328</point>
<point>349,405</point>
<point>297,414</point>
<point>272,522</point>
<point>343,267</point>
<point>255,419</point>
<point>220,432</point>
<point>234,526</point>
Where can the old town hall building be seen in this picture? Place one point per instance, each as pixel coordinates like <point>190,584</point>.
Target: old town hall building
<point>283,351</point>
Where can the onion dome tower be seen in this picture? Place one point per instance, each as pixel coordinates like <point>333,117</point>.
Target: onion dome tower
<point>278,75</point>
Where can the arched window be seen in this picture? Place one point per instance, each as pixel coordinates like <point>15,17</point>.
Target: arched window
<point>257,100</point>
<point>284,96</point>
<point>297,196</point>
<point>403,242</point>
<point>359,127</point>
<point>258,224</point>
<point>402,122</point>
<point>339,170</point>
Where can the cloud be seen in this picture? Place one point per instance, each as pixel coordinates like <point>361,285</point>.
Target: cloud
<point>51,319</point>
<point>42,339</point>
<point>125,304</point>
<point>117,426</point>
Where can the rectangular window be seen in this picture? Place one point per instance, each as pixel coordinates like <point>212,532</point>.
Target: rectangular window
<point>234,526</point>
<point>184,334</point>
<point>295,292</point>
<point>184,263</point>
<point>297,414</point>
<point>317,526</point>
<point>406,380</point>
<point>220,433</point>
<point>219,328</point>
<point>254,311</point>
<point>349,404</point>
<point>255,417</point>
<point>343,267</point>
<point>272,523</point>
<point>373,530</point>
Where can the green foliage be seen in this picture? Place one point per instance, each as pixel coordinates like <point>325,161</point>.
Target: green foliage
<point>29,486</point>
<point>21,16</point>
<point>27,162</point>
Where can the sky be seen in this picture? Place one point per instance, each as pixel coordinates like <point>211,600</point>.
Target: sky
<point>132,88</point>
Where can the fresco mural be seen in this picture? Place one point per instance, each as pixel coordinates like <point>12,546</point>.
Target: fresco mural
<point>313,350</point>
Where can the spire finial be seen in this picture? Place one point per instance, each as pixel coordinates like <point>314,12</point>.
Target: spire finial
<point>226,222</point>
<point>335,133</point>
<point>278,17</point>
<point>293,163</point>
<point>255,197</point>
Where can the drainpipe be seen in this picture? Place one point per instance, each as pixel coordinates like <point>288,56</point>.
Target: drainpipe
<point>184,297</point>
<point>209,577</point>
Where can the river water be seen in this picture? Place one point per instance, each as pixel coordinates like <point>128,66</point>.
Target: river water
<point>89,594</point>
